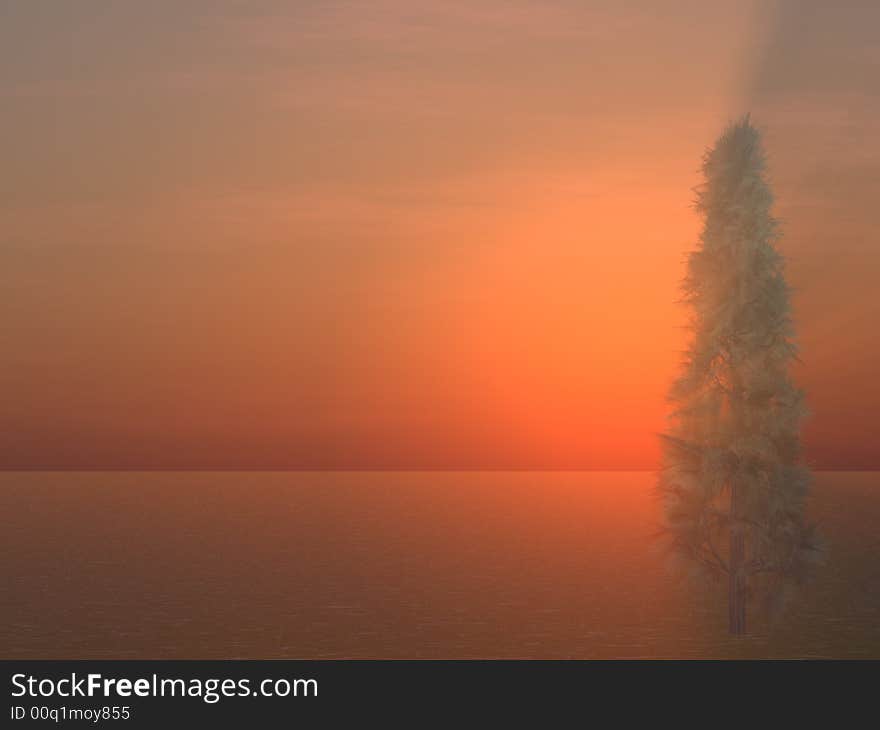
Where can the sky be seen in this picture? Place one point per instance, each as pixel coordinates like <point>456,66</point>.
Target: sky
<point>410,235</point>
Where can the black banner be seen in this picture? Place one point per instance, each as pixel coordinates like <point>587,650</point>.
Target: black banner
<point>126,694</point>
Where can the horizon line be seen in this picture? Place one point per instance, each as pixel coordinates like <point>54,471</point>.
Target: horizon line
<point>365,470</point>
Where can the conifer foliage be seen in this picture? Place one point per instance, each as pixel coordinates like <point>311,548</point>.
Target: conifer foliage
<point>733,484</point>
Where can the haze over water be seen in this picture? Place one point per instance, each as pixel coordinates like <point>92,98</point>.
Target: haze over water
<point>393,564</point>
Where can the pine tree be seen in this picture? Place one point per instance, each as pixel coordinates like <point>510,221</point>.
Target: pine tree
<point>733,484</point>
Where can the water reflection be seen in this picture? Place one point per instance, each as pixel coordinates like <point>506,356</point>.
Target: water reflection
<point>401,564</point>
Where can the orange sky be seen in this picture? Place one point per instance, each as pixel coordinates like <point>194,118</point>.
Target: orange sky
<point>408,235</point>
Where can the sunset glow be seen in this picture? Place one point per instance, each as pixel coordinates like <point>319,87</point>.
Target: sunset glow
<point>376,236</point>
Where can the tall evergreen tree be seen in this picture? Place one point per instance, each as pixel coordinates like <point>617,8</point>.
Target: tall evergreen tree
<point>733,483</point>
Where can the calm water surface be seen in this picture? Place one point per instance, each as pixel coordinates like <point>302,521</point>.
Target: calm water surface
<point>397,564</point>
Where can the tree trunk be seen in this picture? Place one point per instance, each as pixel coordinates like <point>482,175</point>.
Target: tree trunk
<point>736,598</point>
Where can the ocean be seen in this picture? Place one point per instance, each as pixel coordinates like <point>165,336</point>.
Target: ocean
<point>448,565</point>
